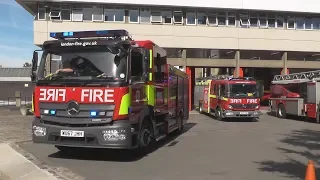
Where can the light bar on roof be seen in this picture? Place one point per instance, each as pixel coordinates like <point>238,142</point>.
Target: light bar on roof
<point>90,34</point>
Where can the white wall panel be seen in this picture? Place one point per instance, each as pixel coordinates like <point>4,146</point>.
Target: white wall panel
<point>274,5</point>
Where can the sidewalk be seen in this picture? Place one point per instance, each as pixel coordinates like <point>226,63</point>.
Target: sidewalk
<point>16,163</point>
<point>14,166</point>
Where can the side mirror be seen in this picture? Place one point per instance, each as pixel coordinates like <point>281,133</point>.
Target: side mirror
<point>34,61</point>
<point>33,77</point>
<point>260,89</point>
<point>145,77</point>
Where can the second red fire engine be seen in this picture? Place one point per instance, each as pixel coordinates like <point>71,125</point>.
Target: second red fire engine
<point>226,97</point>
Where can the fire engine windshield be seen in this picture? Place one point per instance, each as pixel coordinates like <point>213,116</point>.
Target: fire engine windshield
<point>89,63</point>
<point>243,90</point>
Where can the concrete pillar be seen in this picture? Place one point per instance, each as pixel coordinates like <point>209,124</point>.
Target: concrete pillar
<point>184,58</point>
<point>284,60</point>
<point>18,98</point>
<point>237,64</point>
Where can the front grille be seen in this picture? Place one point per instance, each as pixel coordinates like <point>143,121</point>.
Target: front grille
<point>243,106</point>
<point>82,119</point>
<point>74,125</point>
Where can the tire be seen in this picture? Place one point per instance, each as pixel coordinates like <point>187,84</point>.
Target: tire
<point>200,108</point>
<point>146,137</point>
<point>254,119</point>
<point>218,114</point>
<point>281,111</point>
<point>180,124</point>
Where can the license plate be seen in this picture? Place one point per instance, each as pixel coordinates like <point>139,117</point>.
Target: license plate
<point>244,112</point>
<point>70,133</point>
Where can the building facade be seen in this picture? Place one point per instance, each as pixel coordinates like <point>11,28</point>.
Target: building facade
<point>223,33</point>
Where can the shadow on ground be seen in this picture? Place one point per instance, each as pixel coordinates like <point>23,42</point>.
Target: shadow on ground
<point>309,140</point>
<point>231,119</point>
<point>294,118</point>
<point>118,155</point>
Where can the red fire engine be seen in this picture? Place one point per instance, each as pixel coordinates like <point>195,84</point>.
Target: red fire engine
<point>106,91</point>
<point>226,97</point>
<point>296,94</point>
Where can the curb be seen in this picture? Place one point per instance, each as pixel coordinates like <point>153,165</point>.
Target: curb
<point>58,173</point>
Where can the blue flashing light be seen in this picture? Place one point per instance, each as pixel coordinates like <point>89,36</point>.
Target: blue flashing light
<point>93,113</point>
<point>53,112</point>
<point>87,34</point>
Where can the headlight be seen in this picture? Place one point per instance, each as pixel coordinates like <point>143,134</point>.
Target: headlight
<point>114,134</point>
<point>256,107</point>
<point>39,131</point>
<point>230,107</point>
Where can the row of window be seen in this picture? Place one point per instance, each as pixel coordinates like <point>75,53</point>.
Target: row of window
<point>244,54</point>
<point>169,16</point>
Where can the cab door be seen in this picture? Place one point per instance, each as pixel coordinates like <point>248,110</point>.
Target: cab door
<point>214,96</point>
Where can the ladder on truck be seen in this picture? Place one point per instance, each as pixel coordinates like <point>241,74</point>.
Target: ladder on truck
<point>296,77</point>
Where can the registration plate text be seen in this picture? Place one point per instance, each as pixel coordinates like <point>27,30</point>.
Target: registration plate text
<point>70,133</point>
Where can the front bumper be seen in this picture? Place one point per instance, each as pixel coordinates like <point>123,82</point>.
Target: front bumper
<point>241,114</point>
<point>119,135</point>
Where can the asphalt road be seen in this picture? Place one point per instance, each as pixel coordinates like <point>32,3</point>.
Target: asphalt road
<point>272,148</point>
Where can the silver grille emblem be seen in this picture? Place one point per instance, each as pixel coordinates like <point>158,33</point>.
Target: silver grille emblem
<point>244,105</point>
<point>73,108</point>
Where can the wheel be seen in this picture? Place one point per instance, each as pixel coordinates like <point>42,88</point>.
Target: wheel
<point>200,108</point>
<point>180,124</point>
<point>146,137</point>
<point>218,114</point>
<point>281,112</point>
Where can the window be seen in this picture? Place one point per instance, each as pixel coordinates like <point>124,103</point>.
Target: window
<point>263,21</point>
<point>77,13</point>
<point>212,19</point>
<point>253,20</point>
<point>290,23</point>
<point>134,15</point>
<point>166,16</point>
<point>41,12</point>
<point>231,19</point>
<point>177,17</point>
<point>55,13</point>
<point>156,16</point>
<point>271,21</point>
<point>97,14</point>
<point>222,19</point>
<point>191,17</point>
<point>316,23</point>
<point>244,20</point>
<point>136,64</point>
<point>109,14</point>
<point>113,14</point>
<point>280,22</point>
<point>145,15</point>
<point>66,12</point>
<point>300,23</point>
<point>119,14</point>
<point>308,23</point>
<point>87,13</point>
<point>201,18</point>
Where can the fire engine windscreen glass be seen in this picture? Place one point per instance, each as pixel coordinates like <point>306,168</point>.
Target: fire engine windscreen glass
<point>91,62</point>
<point>243,90</point>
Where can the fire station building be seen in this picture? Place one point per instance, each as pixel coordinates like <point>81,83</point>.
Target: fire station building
<point>249,37</point>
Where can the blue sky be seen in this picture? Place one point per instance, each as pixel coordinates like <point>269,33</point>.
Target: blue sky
<point>16,34</point>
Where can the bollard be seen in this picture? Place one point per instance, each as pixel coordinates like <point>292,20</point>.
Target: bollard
<point>18,98</point>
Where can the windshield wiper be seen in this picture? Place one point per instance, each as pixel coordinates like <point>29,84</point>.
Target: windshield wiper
<point>104,75</point>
